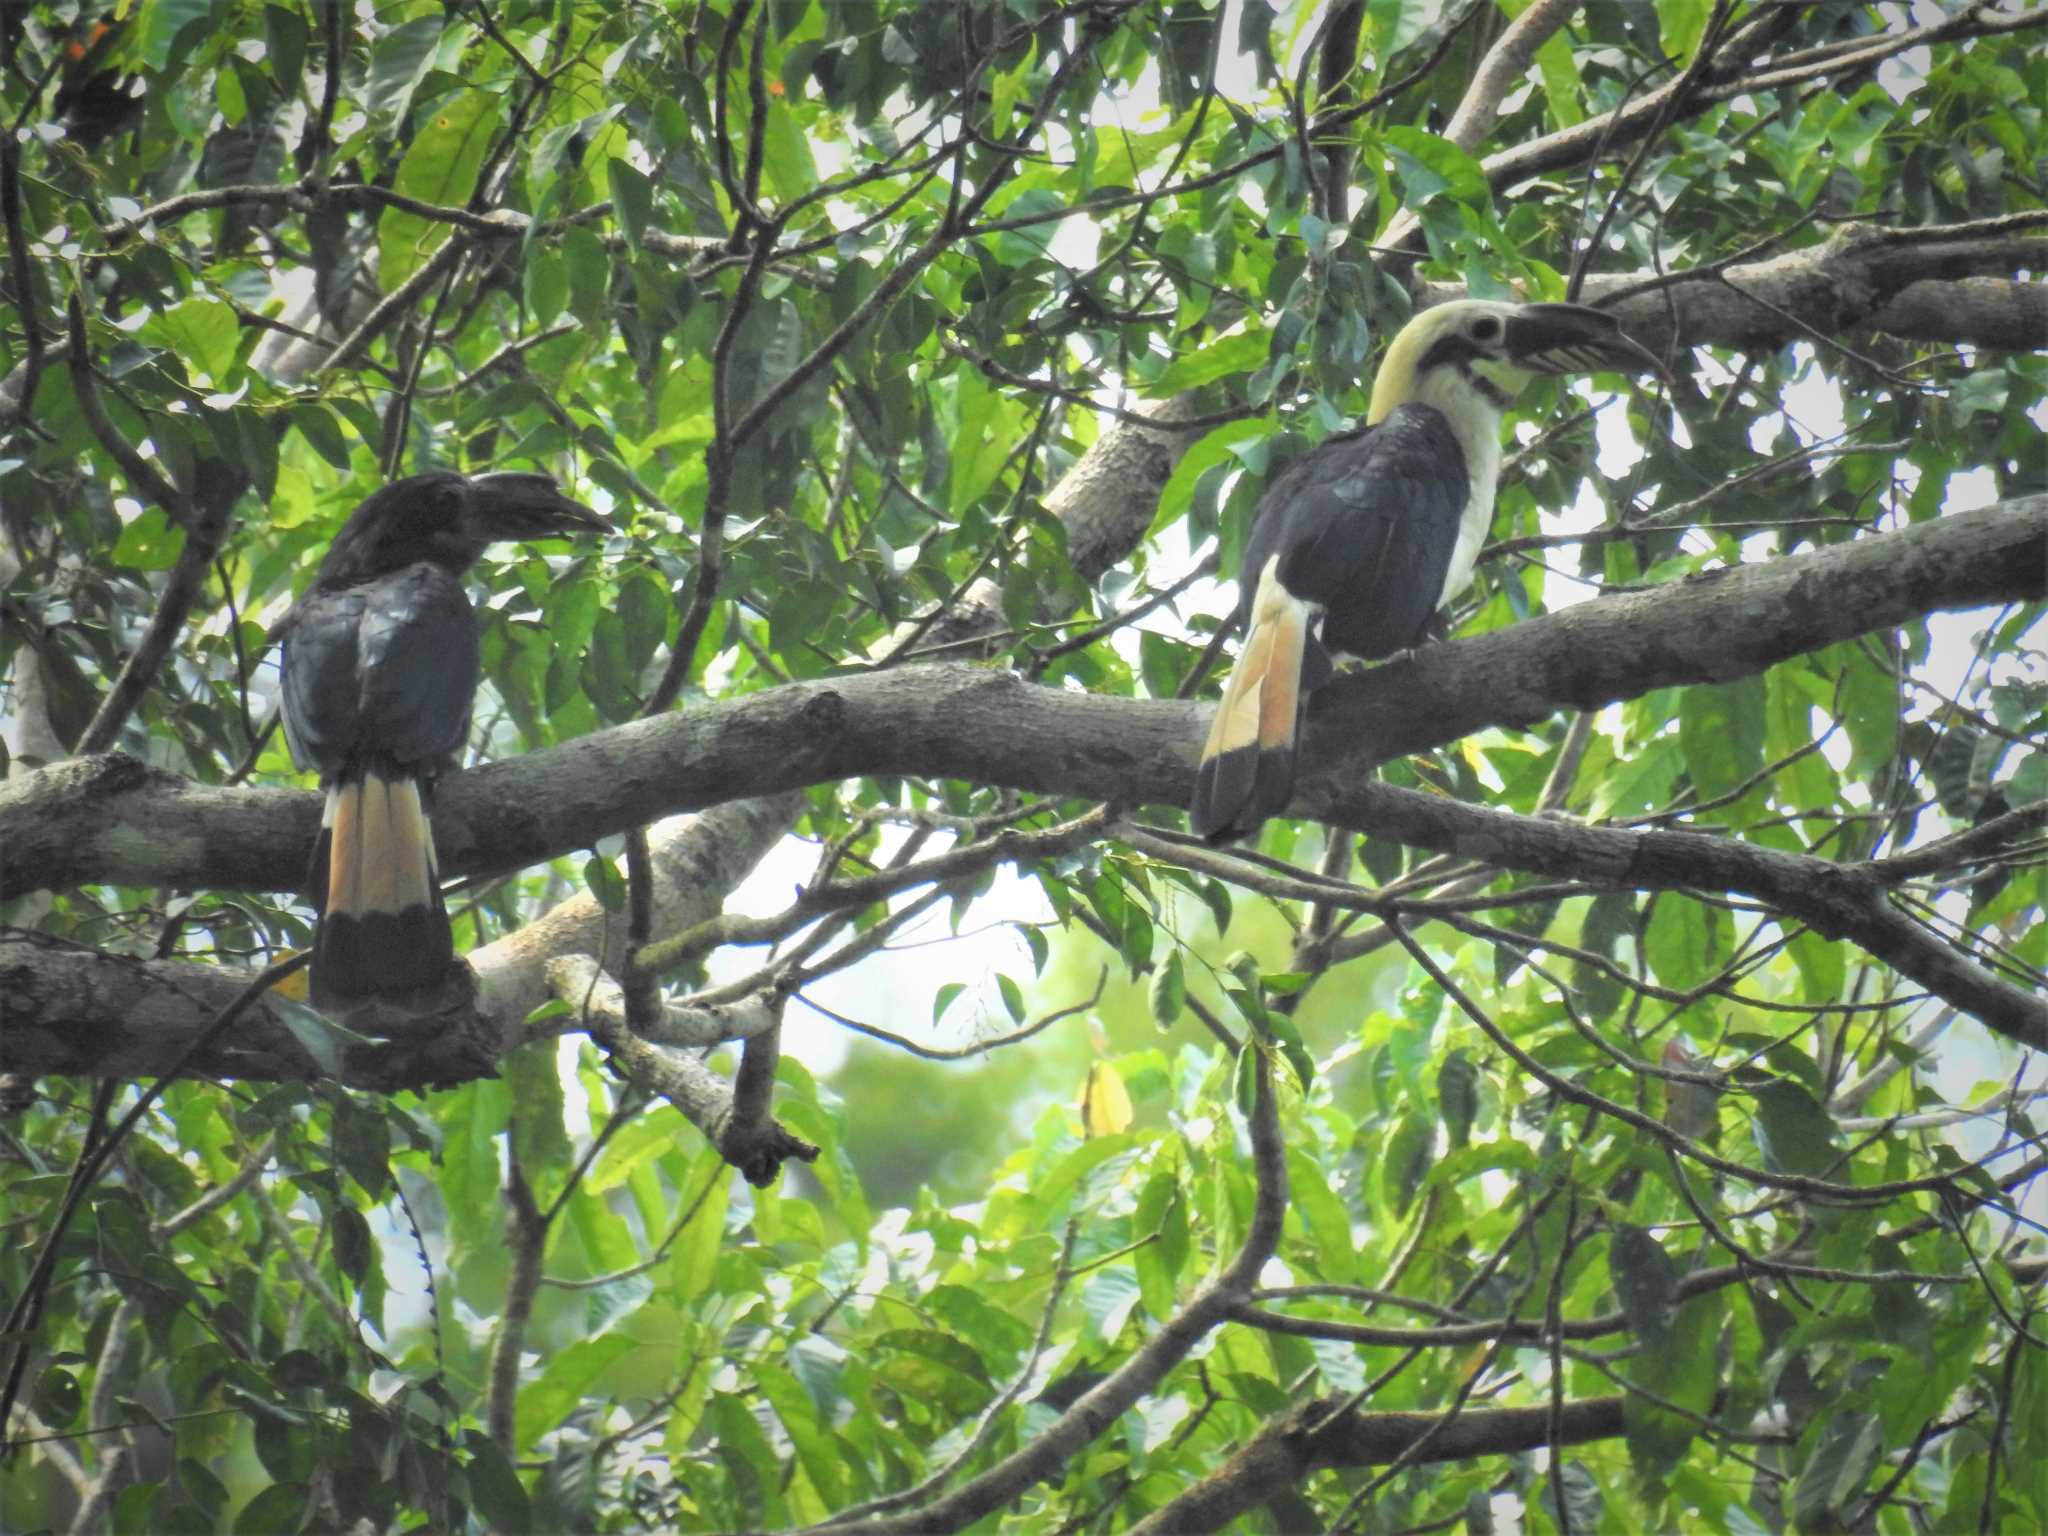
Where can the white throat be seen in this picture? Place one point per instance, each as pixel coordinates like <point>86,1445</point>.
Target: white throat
<point>1475,422</point>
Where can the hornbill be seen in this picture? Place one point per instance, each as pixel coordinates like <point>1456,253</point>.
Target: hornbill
<point>1362,539</point>
<point>380,669</point>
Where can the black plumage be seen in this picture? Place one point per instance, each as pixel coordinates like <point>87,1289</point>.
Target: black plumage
<point>1356,545</point>
<point>1359,533</point>
<point>1364,525</point>
<point>380,663</point>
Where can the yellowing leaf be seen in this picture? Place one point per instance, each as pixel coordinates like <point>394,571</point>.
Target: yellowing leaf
<point>295,985</point>
<point>1105,1104</point>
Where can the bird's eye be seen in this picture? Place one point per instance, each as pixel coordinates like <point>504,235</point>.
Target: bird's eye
<point>1486,328</point>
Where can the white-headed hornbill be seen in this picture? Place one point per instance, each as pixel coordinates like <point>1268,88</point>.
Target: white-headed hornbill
<point>380,670</point>
<point>1361,540</point>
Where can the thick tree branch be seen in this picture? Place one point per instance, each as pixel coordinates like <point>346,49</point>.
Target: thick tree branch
<point>1728,77</point>
<point>110,819</point>
<point>1330,1432</point>
<point>695,862</point>
<point>1957,286</point>
<point>1506,62</point>
<point>1838,901</point>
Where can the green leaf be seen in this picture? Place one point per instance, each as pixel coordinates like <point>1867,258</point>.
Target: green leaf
<point>921,1376</point>
<point>317,1035</point>
<point>1430,166</point>
<point>1220,446</point>
<point>1287,1035</point>
<point>354,1248</point>
<point>318,426</point>
<point>1167,992</point>
<point>362,1143</point>
<point>284,33</point>
<point>1581,1496</point>
<point>1049,1192</point>
<point>280,1507</point>
<point>1843,1457</point>
<point>632,198</point>
<point>601,877</point>
<point>1559,72</point>
<point>1224,358</point>
<point>494,1484</point>
<point>814,1449</point>
<point>1721,731</point>
<point>1822,964</point>
<point>58,1397</point>
<point>1329,1224</point>
<point>440,168</point>
<point>539,1138</point>
<point>149,543</point>
<point>1794,1133</point>
<point>1457,1093</point>
<point>1646,1283</point>
<point>201,331</point>
<point>1397,23</point>
<point>787,165</point>
<point>1684,940</point>
<point>956,1354</point>
<point>2029,782</point>
<point>158,24</point>
<point>1162,1216</point>
<point>1870,709</point>
<point>1404,1162</point>
<point>399,61</point>
<point>567,1374</point>
<point>1245,1078</point>
<point>136,1513</point>
<point>694,1262</point>
<point>1107,1300</point>
<point>545,283</point>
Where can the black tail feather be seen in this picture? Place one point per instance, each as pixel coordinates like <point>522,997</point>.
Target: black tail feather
<point>383,930</point>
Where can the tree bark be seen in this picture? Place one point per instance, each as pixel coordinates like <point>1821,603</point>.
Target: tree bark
<point>1327,1433</point>
<point>112,819</point>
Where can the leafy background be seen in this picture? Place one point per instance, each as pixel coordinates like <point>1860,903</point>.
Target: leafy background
<point>828,305</point>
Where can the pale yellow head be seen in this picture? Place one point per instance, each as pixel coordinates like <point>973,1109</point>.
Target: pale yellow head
<point>1487,350</point>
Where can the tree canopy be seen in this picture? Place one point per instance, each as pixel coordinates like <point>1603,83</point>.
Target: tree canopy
<point>1603,1104</point>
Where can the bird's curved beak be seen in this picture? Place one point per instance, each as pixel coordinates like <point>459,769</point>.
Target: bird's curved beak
<point>1570,338</point>
<point>519,504</point>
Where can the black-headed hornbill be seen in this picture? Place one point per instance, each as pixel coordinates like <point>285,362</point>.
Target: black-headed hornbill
<point>380,670</point>
<point>1358,543</point>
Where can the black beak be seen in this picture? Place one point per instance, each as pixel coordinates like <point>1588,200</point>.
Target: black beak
<point>1570,338</point>
<point>516,505</point>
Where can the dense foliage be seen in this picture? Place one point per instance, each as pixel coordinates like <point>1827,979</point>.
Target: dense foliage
<point>1615,1118</point>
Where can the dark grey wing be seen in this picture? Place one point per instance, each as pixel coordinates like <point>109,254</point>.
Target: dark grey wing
<point>382,673</point>
<point>321,718</point>
<point>417,667</point>
<point>1365,525</point>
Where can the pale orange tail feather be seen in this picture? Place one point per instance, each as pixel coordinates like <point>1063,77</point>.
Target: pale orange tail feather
<point>383,925</point>
<point>1247,768</point>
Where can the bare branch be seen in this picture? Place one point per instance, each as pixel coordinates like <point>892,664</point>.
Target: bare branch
<point>1505,64</point>
<point>706,1100</point>
<point>1332,1433</point>
<point>1100,1406</point>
